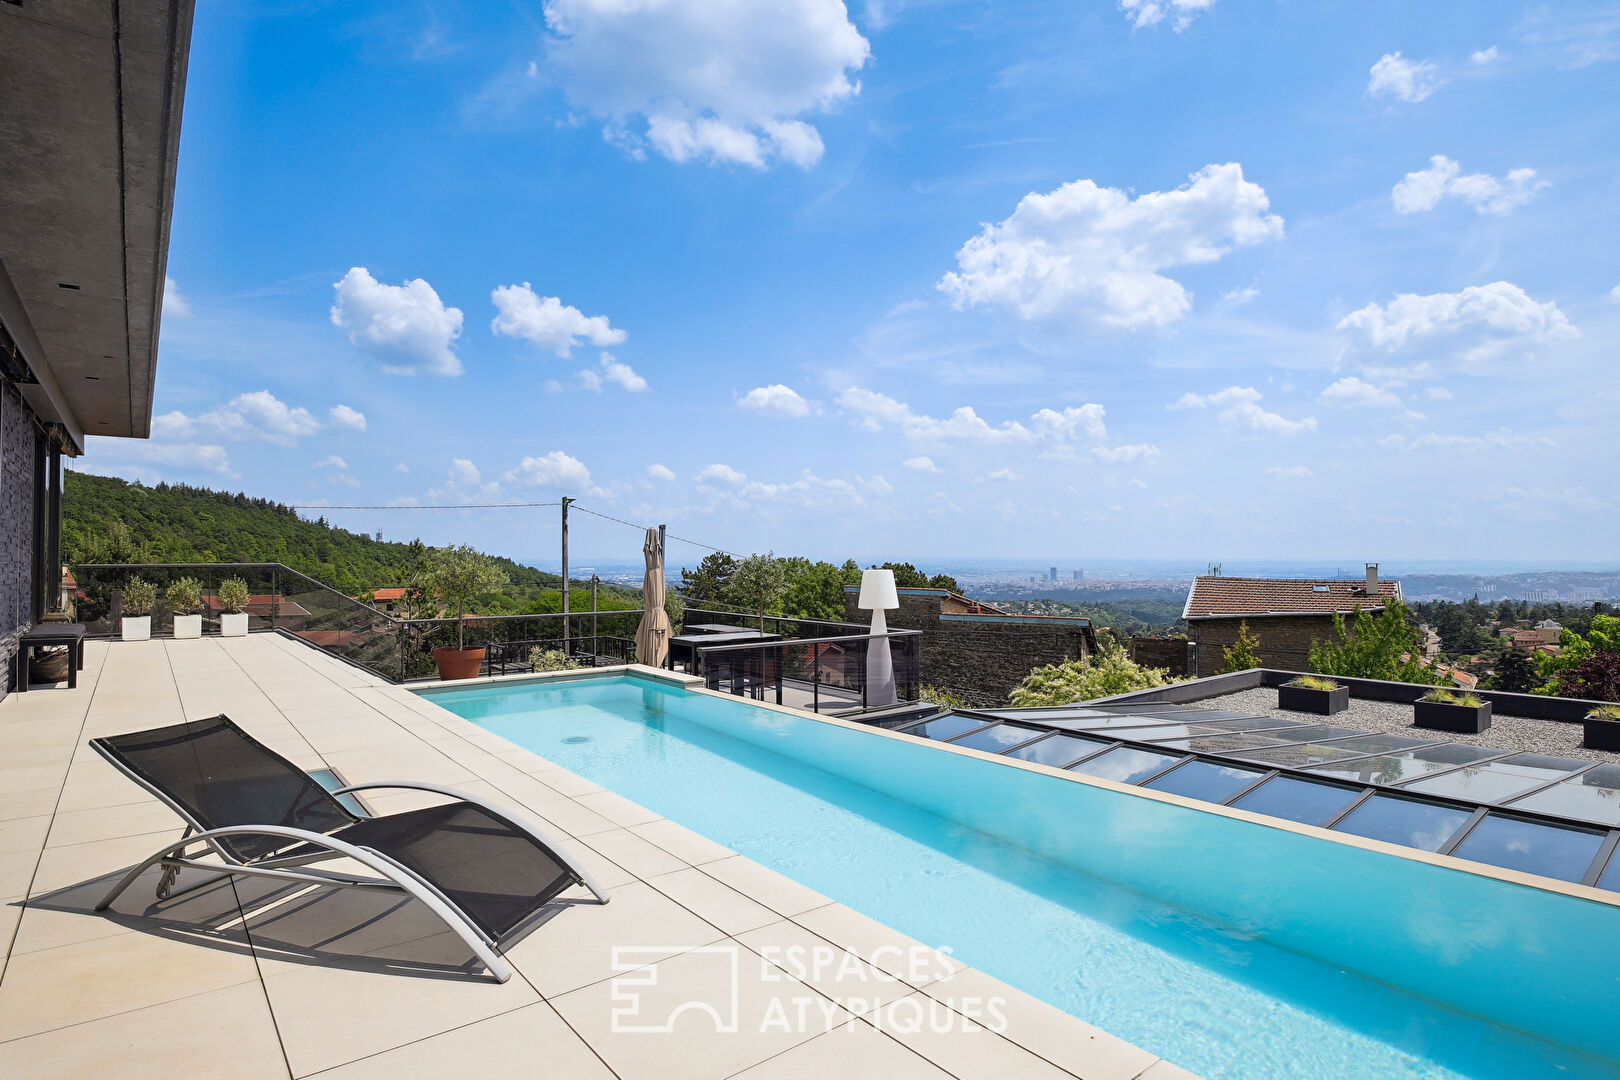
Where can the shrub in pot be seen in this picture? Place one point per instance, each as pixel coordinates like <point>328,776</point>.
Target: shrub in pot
<point>1313,694</point>
<point>139,596</point>
<point>183,596</point>
<point>1444,709</point>
<point>233,597</point>
<point>456,575</point>
<point>1602,728</point>
<point>542,660</point>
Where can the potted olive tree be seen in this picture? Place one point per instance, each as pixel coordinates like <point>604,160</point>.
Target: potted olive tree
<point>1313,694</point>
<point>233,597</point>
<point>183,596</point>
<point>1444,709</point>
<point>139,596</point>
<point>456,575</point>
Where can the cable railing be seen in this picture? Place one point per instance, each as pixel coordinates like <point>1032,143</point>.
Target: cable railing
<point>841,674</point>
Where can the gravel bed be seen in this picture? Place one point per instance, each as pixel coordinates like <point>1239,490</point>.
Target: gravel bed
<point>1556,737</point>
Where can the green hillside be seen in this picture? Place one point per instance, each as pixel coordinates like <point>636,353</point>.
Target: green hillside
<point>179,523</point>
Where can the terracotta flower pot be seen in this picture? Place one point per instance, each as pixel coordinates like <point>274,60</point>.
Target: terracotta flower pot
<point>457,663</point>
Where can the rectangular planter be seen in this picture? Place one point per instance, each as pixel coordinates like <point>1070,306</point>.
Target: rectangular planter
<point>1322,702</point>
<point>233,624</point>
<point>135,627</point>
<point>187,626</point>
<point>1601,734</point>
<point>1438,716</point>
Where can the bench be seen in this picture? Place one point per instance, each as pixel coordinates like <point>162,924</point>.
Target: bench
<point>48,636</point>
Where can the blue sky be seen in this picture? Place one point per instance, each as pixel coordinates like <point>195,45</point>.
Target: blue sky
<point>1160,278</point>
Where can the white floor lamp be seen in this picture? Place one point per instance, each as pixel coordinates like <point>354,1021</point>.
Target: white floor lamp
<point>877,595</point>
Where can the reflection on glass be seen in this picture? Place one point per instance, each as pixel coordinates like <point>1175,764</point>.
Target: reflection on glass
<point>1205,780</point>
<point>1404,821</point>
<point>1592,796</point>
<point>1393,768</point>
<point>1532,847</point>
<point>946,727</point>
<point>1306,801</point>
<point>998,738</point>
<point>1611,876</point>
<point>1317,732</point>
<point>1057,751</point>
<point>1125,764</point>
<point>1498,780</point>
<point>1219,744</point>
<point>1297,756</point>
<point>1103,722</point>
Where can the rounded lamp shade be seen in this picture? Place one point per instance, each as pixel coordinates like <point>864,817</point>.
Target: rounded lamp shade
<point>877,591</point>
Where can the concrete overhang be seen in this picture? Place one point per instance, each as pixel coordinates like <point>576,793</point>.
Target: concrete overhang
<point>89,135</point>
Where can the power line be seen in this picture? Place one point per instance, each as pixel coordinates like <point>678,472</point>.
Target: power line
<point>670,535</point>
<point>457,506</point>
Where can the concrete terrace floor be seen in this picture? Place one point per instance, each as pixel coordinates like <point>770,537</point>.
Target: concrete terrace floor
<point>251,979</point>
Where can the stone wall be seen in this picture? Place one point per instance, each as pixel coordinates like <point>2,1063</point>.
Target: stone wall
<point>1172,654</point>
<point>1285,640</point>
<point>17,448</point>
<point>980,658</point>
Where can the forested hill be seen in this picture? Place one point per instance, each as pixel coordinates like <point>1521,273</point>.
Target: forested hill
<point>177,523</point>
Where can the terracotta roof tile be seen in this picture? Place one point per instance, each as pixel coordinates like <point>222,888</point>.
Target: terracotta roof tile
<point>1215,596</point>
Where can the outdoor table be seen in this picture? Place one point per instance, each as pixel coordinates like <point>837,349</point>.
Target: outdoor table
<point>713,628</point>
<point>49,635</point>
<point>689,643</point>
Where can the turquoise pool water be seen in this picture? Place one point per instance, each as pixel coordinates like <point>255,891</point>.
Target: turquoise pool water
<point>1229,948</point>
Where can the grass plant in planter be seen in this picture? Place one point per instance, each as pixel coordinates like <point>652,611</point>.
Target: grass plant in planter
<point>456,575</point>
<point>1444,709</point>
<point>233,597</point>
<point>183,597</point>
<point>1602,726</point>
<point>139,596</point>
<point>1313,694</point>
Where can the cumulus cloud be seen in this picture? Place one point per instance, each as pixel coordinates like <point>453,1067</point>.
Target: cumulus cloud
<point>341,416</point>
<point>1614,294</point>
<point>1125,455</point>
<point>463,483</point>
<point>554,470</point>
<point>1005,475</point>
<point>1152,12</point>
<point>1351,391</point>
<point>660,472</point>
<point>174,305</point>
<point>1500,309</point>
<point>407,325</point>
<point>612,371</point>
<point>721,474</point>
<point>1500,439</point>
<point>920,464</point>
<point>1485,56</point>
<point>723,82</point>
<point>1097,254</point>
<point>546,322</point>
<point>126,457</point>
<point>255,415</point>
<point>332,462</point>
<point>1289,472</point>
<point>1423,190</point>
<point>1239,407</point>
<point>875,411</point>
<point>776,399</point>
<point>1394,76</point>
<point>728,487</point>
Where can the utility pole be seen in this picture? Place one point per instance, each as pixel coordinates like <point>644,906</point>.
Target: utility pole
<point>663,555</point>
<point>565,502</point>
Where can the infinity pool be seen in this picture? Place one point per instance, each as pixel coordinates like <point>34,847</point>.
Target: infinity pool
<point>1232,949</point>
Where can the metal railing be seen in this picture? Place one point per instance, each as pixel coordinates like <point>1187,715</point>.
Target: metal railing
<point>787,626</point>
<point>283,600</point>
<point>819,674</point>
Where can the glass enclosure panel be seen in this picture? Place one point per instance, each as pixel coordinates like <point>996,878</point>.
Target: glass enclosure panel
<point>1308,801</point>
<point>1394,768</point>
<point>1206,780</point>
<point>1592,796</point>
<point>1404,821</point>
<point>1219,744</point>
<point>945,727</point>
<point>1317,733</point>
<point>998,738</point>
<point>1611,875</point>
<point>1298,755</point>
<point>1530,846</point>
<point>1502,779</point>
<point>1106,722</point>
<point>1125,764</point>
<point>1059,750</point>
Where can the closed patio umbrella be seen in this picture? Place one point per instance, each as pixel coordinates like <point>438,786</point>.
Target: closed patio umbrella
<point>652,636</point>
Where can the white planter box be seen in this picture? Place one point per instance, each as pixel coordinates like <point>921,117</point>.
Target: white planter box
<point>187,626</point>
<point>233,624</point>
<point>136,627</point>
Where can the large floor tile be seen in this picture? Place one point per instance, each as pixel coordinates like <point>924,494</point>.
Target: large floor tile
<point>916,962</point>
<point>836,972</point>
<point>681,842</point>
<point>630,851</point>
<point>854,1050</point>
<point>519,1045</point>
<point>713,901</point>
<point>958,1044</point>
<point>781,894</point>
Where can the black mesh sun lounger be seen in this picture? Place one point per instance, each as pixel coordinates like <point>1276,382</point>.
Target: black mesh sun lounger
<point>476,868</point>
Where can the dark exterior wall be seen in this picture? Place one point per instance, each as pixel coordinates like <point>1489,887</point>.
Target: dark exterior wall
<point>979,658</point>
<point>1172,654</point>
<point>1285,640</point>
<point>17,445</point>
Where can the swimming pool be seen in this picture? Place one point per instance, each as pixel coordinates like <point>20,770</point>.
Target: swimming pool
<point>1230,948</point>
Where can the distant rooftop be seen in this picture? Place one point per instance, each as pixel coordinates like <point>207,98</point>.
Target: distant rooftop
<point>1213,596</point>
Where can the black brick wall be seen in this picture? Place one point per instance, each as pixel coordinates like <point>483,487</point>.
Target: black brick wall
<point>16,523</point>
<point>1285,640</point>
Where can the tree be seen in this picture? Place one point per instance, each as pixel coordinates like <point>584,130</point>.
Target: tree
<point>710,583</point>
<point>1382,646</point>
<point>1558,672</point>
<point>1241,654</point>
<point>1514,672</point>
<point>1109,672</point>
<point>457,575</point>
<point>758,583</point>
<point>907,576</point>
<point>1597,678</point>
<point>815,590</point>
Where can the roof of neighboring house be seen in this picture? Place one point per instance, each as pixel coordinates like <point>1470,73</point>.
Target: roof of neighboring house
<point>393,592</point>
<point>260,603</point>
<point>1217,597</point>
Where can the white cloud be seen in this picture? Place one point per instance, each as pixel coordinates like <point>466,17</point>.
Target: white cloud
<point>332,462</point>
<point>1351,391</point>
<point>554,470</point>
<point>729,487</point>
<point>1125,455</point>
<point>920,464</point>
<point>1152,12</point>
<point>1501,439</point>
<point>255,415</point>
<point>660,472</point>
<point>174,305</point>
<point>1005,475</point>
<point>547,322</point>
<point>1485,56</point>
<point>1500,308</point>
<point>717,82</point>
<point>1240,408</point>
<point>1614,294</point>
<point>1237,297</point>
<point>402,468</point>
<point>723,474</point>
<point>407,325</point>
<point>1438,393</point>
<point>1396,77</point>
<point>341,416</point>
<point>1289,472</point>
<point>109,457</point>
<point>464,483</point>
<point>1095,253</point>
<point>873,411</point>
<point>613,371</point>
<point>1423,190</point>
<point>776,399</point>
